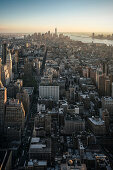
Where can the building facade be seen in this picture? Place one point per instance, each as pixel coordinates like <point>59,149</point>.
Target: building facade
<point>3,99</point>
<point>49,92</point>
<point>15,114</point>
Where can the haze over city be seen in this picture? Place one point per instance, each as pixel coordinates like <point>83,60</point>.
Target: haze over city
<point>66,15</point>
<point>56,84</point>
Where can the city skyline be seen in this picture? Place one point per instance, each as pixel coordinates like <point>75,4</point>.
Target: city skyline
<point>67,16</point>
<point>56,85</point>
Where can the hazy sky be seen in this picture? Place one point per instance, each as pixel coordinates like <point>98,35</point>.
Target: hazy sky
<point>66,15</point>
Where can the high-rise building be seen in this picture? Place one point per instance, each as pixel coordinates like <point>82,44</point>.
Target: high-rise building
<point>72,92</point>
<point>101,84</point>
<point>55,31</point>
<point>93,74</point>
<point>106,69</point>
<point>107,103</point>
<point>0,69</point>
<point>49,33</point>
<point>48,123</point>
<point>16,60</point>
<point>98,73</point>
<point>93,35</point>
<point>24,97</point>
<point>4,53</point>
<point>15,114</point>
<point>5,75</point>
<point>111,77</point>
<point>28,67</point>
<point>3,99</point>
<point>9,65</point>
<point>103,67</point>
<point>107,87</point>
<point>106,118</point>
<point>112,89</point>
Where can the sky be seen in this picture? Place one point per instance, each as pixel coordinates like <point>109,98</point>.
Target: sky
<point>67,15</point>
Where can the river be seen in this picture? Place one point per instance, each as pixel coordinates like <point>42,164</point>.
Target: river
<point>88,39</point>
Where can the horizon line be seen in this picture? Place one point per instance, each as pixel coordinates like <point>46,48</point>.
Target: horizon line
<point>58,32</point>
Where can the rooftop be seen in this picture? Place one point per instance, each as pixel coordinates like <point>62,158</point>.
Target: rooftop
<point>35,140</point>
<point>37,146</point>
<point>29,90</point>
<point>107,98</point>
<point>48,84</point>
<point>97,121</point>
<point>37,163</point>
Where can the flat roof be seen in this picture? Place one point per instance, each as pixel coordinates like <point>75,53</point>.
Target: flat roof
<point>37,146</point>
<point>35,140</point>
<point>40,163</point>
<point>97,121</point>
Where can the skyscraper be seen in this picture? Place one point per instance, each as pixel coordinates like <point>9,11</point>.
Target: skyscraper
<point>3,99</point>
<point>27,67</point>
<point>107,87</point>
<point>103,68</point>
<point>55,31</point>
<point>9,65</point>
<point>93,35</point>
<point>16,60</point>
<point>101,84</point>
<point>0,69</point>
<point>4,53</point>
<point>15,114</point>
<point>106,69</point>
<point>5,75</point>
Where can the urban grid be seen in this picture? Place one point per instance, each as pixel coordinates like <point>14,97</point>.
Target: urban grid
<point>56,101</point>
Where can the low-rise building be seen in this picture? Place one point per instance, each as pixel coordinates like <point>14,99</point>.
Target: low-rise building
<point>40,149</point>
<point>73,124</point>
<point>49,91</point>
<point>97,125</point>
<point>37,165</point>
<point>107,103</point>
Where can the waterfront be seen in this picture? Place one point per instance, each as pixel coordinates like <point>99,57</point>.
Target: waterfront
<point>85,38</point>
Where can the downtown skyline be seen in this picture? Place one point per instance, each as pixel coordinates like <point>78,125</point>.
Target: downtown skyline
<point>56,84</point>
<point>67,16</point>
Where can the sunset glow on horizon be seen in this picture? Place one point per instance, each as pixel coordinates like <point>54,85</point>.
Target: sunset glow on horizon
<point>66,15</point>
